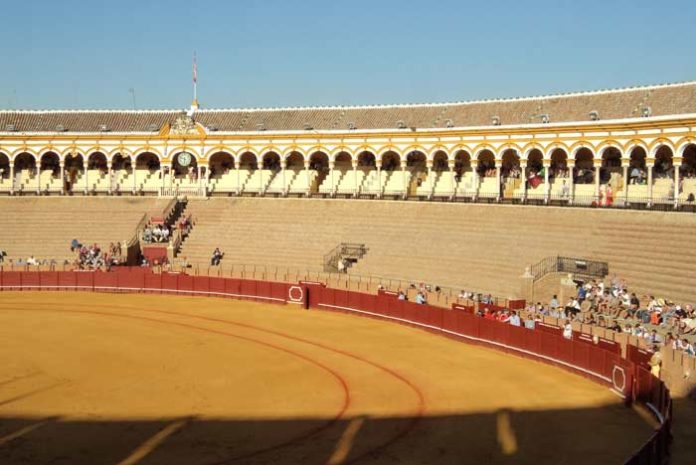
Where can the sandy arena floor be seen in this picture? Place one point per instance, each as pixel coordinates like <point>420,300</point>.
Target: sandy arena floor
<point>89,379</point>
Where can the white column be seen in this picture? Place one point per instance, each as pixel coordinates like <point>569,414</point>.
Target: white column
<point>161,170</point>
<point>261,179</point>
<point>355,177</point>
<point>12,178</point>
<point>597,169</point>
<point>547,186</point>
<point>453,175</point>
<point>111,177</point>
<point>38,176</point>
<point>403,179</point>
<point>676,184</point>
<point>497,180</point>
<point>206,184</point>
<point>476,183</point>
<point>379,180</point>
<point>239,188</point>
<point>134,171</point>
<point>331,174</point>
<point>309,182</point>
<point>200,178</point>
<point>625,183</point>
<point>282,173</point>
<point>523,180</point>
<point>86,179</point>
<point>431,184</point>
<point>650,184</point>
<point>62,178</point>
<point>571,181</point>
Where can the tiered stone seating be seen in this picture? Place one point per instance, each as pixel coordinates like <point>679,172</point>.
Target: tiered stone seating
<point>50,183</point>
<point>555,189</point>
<point>373,182</point>
<point>303,182</point>
<point>5,184</point>
<point>396,183</point>
<point>147,181</point>
<point>467,185</point>
<point>44,226</point>
<point>488,188</point>
<point>427,184</point>
<point>330,183</point>
<point>257,182</point>
<point>688,187</point>
<point>663,190</point>
<point>280,183</point>
<point>444,185</point>
<point>27,181</point>
<point>584,194</point>
<point>350,182</point>
<point>480,247</point>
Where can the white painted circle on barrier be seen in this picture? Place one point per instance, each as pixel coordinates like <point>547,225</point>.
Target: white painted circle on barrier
<point>618,369</point>
<point>296,294</point>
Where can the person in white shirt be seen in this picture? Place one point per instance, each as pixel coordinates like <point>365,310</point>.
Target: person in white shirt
<point>568,330</point>
<point>515,319</point>
<point>32,261</point>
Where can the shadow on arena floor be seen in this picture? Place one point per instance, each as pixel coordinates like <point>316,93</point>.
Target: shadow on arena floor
<point>602,435</point>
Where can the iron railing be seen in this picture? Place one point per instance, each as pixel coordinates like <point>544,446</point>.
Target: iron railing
<point>576,266</point>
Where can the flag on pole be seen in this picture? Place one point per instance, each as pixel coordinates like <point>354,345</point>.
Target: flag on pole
<point>195,69</point>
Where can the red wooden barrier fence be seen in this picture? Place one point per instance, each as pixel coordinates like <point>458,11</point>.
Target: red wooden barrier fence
<point>598,360</point>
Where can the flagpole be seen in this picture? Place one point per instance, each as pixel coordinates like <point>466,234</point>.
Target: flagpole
<point>195,80</point>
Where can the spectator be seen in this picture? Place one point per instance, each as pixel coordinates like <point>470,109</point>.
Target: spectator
<point>514,319</point>
<point>217,256</point>
<point>75,245</point>
<point>568,330</point>
<point>655,361</point>
<point>3,254</point>
<point>553,304</point>
<point>32,261</point>
<point>401,296</point>
<point>420,298</point>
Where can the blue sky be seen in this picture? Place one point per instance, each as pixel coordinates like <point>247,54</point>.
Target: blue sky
<point>87,54</point>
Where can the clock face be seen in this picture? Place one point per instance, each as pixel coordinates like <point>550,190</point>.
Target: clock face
<point>184,159</point>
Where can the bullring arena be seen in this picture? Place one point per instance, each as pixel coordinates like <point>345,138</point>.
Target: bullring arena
<point>294,345</point>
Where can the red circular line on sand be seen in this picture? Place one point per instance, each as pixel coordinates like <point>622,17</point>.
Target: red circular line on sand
<point>420,410</point>
<point>345,386</point>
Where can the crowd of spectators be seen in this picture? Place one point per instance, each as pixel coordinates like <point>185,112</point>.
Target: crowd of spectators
<point>92,257</point>
<point>613,306</point>
<point>156,233</point>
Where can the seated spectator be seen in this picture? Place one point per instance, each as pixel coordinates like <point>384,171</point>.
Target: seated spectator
<point>402,296</point>
<point>32,261</point>
<point>217,256</point>
<point>3,254</point>
<point>420,298</point>
<point>514,319</point>
<point>568,330</point>
<point>74,245</point>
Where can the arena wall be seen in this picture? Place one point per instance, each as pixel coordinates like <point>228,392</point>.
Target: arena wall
<point>627,378</point>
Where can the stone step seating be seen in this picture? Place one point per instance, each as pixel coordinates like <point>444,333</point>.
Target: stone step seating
<point>396,183</point>
<point>229,182</point>
<point>488,188</point>
<point>444,185</point>
<point>584,194</point>
<point>328,186</point>
<point>44,226</point>
<point>374,182</point>
<point>50,183</point>
<point>257,182</point>
<point>281,181</point>
<point>5,183</point>
<point>303,182</point>
<point>425,190</point>
<point>350,182</point>
<point>479,247</point>
<point>467,185</point>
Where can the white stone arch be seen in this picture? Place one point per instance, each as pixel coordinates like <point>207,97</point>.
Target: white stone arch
<point>158,153</point>
<point>506,147</point>
<point>452,156</point>
<point>379,156</point>
<point>683,145</point>
<point>217,149</point>
<point>575,148</point>
<point>172,153</point>
<point>657,144</point>
<point>527,149</point>
<point>22,150</point>
<point>124,152</point>
<point>606,145</point>
<point>434,149</point>
<point>341,149</point>
<point>483,148</point>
